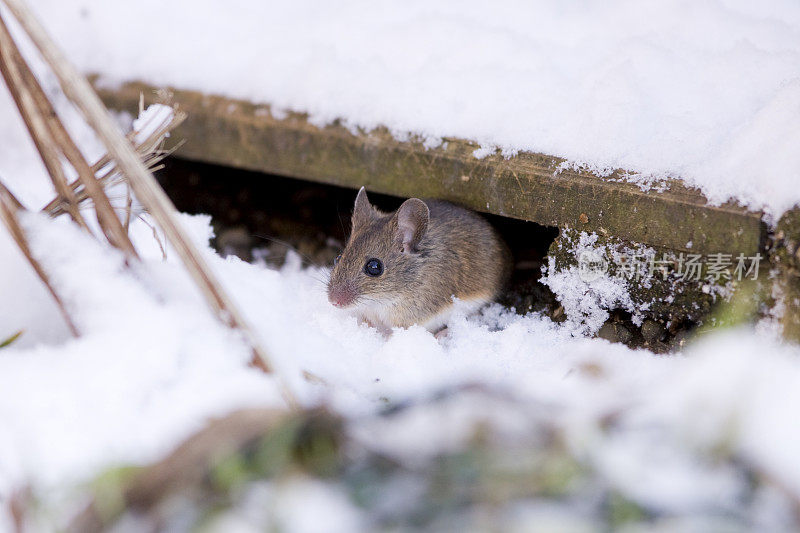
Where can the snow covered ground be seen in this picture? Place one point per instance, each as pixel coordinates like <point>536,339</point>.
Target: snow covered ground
<point>637,89</point>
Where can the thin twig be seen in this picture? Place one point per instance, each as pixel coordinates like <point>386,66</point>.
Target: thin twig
<point>9,208</point>
<point>111,176</point>
<point>13,71</point>
<point>156,237</point>
<point>128,209</point>
<point>106,217</point>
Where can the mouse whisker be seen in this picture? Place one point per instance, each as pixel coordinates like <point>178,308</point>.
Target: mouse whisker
<point>308,260</point>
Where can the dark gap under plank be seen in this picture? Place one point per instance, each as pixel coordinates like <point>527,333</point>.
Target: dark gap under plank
<point>243,135</point>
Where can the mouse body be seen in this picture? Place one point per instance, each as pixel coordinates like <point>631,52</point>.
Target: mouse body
<point>404,268</point>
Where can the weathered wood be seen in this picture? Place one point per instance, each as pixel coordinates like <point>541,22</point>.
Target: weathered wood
<point>245,135</point>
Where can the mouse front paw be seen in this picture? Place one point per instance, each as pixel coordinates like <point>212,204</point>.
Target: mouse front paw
<point>382,328</point>
<point>442,333</point>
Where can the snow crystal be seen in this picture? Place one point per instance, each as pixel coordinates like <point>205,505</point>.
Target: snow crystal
<point>586,302</point>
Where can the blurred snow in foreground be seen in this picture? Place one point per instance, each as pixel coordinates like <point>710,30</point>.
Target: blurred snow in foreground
<point>153,365</point>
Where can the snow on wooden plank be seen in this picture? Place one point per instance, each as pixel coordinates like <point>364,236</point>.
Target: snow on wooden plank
<point>526,186</point>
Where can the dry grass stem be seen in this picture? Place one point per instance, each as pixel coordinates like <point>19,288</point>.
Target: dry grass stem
<point>9,209</point>
<point>128,209</point>
<point>49,133</point>
<point>14,72</point>
<point>144,185</point>
<point>149,150</point>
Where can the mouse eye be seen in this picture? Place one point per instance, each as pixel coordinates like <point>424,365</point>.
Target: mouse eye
<point>338,257</point>
<point>373,267</point>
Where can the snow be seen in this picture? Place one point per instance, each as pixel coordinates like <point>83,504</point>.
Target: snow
<point>587,301</point>
<point>705,91</point>
<point>85,393</point>
<point>152,365</point>
<point>151,120</point>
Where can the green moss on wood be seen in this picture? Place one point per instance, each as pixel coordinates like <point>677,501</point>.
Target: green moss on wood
<point>527,186</point>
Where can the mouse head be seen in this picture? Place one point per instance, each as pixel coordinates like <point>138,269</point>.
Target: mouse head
<point>380,262</point>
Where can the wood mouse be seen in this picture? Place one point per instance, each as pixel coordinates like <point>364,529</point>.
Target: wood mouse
<point>404,268</point>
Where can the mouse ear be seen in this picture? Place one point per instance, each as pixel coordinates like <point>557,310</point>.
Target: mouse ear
<point>363,210</point>
<point>412,222</point>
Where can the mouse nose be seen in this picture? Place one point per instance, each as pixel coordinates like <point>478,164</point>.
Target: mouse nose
<point>341,296</point>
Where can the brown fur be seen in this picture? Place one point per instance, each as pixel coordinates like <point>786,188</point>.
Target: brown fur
<point>427,260</point>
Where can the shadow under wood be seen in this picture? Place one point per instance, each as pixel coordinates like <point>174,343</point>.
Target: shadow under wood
<point>261,217</point>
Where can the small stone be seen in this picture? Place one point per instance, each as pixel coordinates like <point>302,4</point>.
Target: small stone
<point>624,335</point>
<point>615,332</point>
<point>652,331</point>
<point>235,241</point>
<point>583,218</point>
<point>608,332</point>
<point>680,339</point>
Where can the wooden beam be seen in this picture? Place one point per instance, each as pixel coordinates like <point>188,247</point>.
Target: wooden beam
<point>245,135</point>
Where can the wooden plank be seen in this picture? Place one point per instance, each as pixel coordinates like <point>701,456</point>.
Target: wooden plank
<point>245,135</point>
